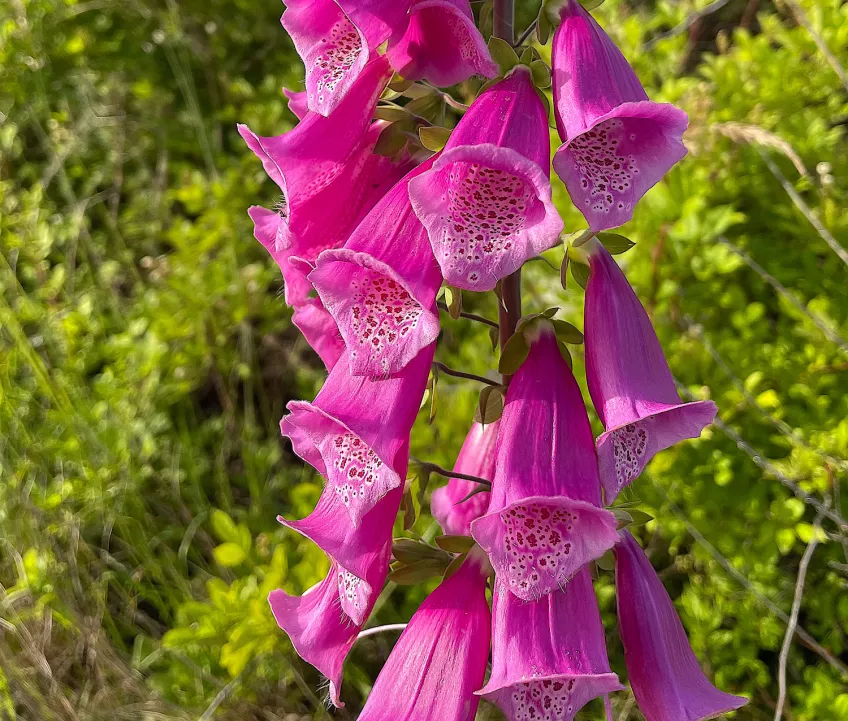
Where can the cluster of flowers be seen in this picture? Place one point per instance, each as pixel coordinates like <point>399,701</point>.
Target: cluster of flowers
<point>375,238</point>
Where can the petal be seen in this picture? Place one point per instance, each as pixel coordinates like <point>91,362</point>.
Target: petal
<point>441,45</point>
<point>487,210</point>
<point>611,165</point>
<point>440,658</point>
<point>537,545</point>
<point>320,331</point>
<point>476,458</point>
<point>624,451</point>
<point>549,656</point>
<point>664,673</point>
<point>332,48</point>
<point>379,20</point>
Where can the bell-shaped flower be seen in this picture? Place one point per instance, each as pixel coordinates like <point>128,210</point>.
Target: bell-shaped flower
<point>356,434</point>
<point>318,625</point>
<point>333,49</point>
<point>476,458</point>
<point>323,163</point>
<point>544,520</point>
<point>549,657</point>
<point>486,202</point>
<point>629,379</point>
<point>665,676</point>
<point>381,286</point>
<point>440,659</point>
<point>616,144</point>
<point>441,44</point>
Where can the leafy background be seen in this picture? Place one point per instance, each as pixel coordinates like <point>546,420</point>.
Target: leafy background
<point>146,357</point>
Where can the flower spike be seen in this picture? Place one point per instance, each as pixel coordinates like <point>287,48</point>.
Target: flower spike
<point>629,379</point>
<point>440,658</point>
<point>665,676</point>
<point>544,520</point>
<point>486,202</point>
<point>616,143</point>
<point>476,458</point>
<point>381,286</point>
<point>549,657</point>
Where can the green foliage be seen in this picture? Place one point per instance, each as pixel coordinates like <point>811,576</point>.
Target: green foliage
<point>146,358</point>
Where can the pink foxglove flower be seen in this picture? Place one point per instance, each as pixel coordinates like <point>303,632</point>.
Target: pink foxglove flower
<point>356,434</point>
<point>476,458</point>
<point>664,673</point>
<point>486,202</point>
<point>381,286</point>
<point>544,520</point>
<point>616,143</point>
<point>549,657</point>
<point>317,623</point>
<point>333,49</point>
<point>629,379</point>
<point>323,163</point>
<point>441,44</point>
<point>440,658</point>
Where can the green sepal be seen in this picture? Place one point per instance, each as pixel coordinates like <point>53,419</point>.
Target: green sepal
<point>563,272</point>
<point>566,332</point>
<point>565,353</point>
<point>616,244</point>
<point>490,405</point>
<point>591,4</point>
<point>453,299</point>
<point>503,54</point>
<point>453,566</point>
<point>455,544</point>
<point>580,273</point>
<point>408,551</point>
<point>434,138</point>
<point>417,572</point>
<point>514,353</point>
<point>541,74</point>
<point>606,562</point>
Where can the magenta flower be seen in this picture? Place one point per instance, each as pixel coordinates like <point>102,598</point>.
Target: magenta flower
<point>323,163</point>
<point>629,379</point>
<point>476,458</point>
<point>549,657</point>
<point>440,658</point>
<point>298,102</point>
<point>317,623</point>
<point>381,286</point>
<point>665,676</point>
<point>355,434</point>
<point>616,143</point>
<point>334,50</point>
<point>544,521</point>
<point>441,44</point>
<point>320,331</point>
<point>486,202</point>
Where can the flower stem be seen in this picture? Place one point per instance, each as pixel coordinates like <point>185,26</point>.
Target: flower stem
<point>509,309</point>
<point>433,468</point>
<point>448,371</point>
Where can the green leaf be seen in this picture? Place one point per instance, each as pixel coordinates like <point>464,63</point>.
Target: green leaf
<point>434,138</point>
<point>606,562</point>
<point>229,554</point>
<point>566,332</point>
<point>543,27</point>
<point>418,572</point>
<point>541,74</point>
<point>591,4</point>
<point>453,299</point>
<point>486,22</point>
<point>494,337</point>
<point>391,141</point>
<point>490,405</point>
<point>390,113</point>
<point>223,526</point>
<point>563,272</point>
<point>514,353</point>
<point>565,353</point>
<point>580,273</point>
<point>615,243</point>
<point>455,544</point>
<point>399,84</point>
<point>503,54</point>
<point>408,551</point>
<point>407,506</point>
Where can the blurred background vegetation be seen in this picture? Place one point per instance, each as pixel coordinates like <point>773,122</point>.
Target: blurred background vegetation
<point>146,357</point>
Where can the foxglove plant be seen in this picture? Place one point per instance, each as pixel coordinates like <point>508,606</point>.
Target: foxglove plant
<point>616,144</point>
<point>381,207</point>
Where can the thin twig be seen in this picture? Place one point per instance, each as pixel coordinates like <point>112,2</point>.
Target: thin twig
<point>380,629</point>
<point>470,316</point>
<point>793,619</point>
<point>816,320</point>
<point>687,23</point>
<point>800,632</point>
<point>433,468</point>
<point>526,34</point>
<point>448,371</point>
<point>806,211</point>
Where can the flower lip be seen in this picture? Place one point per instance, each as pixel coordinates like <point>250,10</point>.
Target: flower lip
<point>462,258</point>
<point>315,435</point>
<point>379,337</point>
